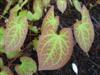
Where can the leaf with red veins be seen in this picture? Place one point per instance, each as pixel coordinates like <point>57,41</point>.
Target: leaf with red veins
<point>16,31</point>
<point>54,50</point>
<point>50,20</point>
<point>84,31</point>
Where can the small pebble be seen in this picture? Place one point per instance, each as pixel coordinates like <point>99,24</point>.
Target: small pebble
<point>75,68</point>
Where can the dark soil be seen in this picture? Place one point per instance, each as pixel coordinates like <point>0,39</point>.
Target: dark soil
<point>86,65</point>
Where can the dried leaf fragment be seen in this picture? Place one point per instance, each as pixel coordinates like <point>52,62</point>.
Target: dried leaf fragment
<point>98,1</point>
<point>84,31</point>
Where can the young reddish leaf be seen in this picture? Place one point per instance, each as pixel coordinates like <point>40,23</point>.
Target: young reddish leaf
<point>62,4</point>
<point>16,30</point>
<point>55,50</point>
<point>84,31</point>
<point>50,20</point>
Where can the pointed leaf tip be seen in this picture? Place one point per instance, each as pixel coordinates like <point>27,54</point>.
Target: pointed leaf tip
<point>61,4</point>
<point>50,20</point>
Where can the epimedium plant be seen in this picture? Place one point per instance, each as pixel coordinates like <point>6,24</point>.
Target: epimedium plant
<point>84,31</point>
<point>62,4</point>
<point>54,48</point>
<point>16,30</point>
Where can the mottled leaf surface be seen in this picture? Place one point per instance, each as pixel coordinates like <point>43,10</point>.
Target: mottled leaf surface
<point>84,31</point>
<point>16,31</point>
<point>50,20</point>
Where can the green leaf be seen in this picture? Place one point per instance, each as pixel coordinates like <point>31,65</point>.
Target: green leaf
<point>62,5</point>
<point>98,1</point>
<point>38,10</point>
<point>28,66</point>
<point>55,50</point>
<point>84,31</point>
<point>35,43</point>
<point>16,31</point>
<point>77,5</point>
<point>1,39</point>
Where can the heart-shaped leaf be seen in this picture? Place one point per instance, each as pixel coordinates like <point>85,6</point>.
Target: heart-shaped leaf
<point>28,66</point>
<point>16,31</point>
<point>55,50</point>
<point>62,4</point>
<point>84,31</point>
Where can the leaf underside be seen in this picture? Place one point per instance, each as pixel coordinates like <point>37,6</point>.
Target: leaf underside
<point>54,50</point>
